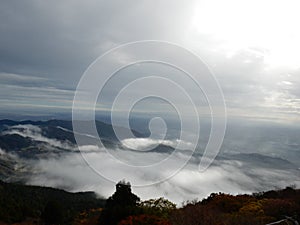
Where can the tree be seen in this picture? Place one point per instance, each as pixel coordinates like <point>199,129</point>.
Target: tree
<point>123,196</point>
<point>120,205</point>
<point>53,213</point>
<point>160,207</point>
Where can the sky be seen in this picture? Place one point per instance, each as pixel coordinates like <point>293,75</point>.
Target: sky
<point>251,47</point>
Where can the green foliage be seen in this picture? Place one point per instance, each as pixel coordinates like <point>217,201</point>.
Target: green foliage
<point>160,207</point>
<point>124,207</point>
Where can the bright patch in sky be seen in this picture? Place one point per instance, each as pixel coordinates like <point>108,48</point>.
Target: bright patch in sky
<point>269,27</point>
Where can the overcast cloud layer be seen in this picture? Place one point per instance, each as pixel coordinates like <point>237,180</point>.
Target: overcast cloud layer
<point>252,48</point>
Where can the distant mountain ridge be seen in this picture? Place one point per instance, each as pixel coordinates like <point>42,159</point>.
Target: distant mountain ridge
<point>61,130</point>
<point>21,141</point>
<point>29,148</point>
<point>105,130</point>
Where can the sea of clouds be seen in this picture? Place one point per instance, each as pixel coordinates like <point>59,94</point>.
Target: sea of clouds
<point>98,169</point>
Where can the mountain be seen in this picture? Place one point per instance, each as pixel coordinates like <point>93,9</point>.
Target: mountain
<point>24,204</point>
<point>45,153</point>
<point>18,202</point>
<point>24,141</point>
<point>63,129</point>
<point>262,161</point>
<point>31,138</point>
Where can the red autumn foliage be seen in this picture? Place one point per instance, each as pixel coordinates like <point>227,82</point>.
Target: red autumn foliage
<point>256,209</point>
<point>144,220</point>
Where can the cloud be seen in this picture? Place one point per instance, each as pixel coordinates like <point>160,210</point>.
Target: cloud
<point>45,48</point>
<point>35,133</point>
<point>11,78</point>
<point>21,92</point>
<point>142,143</point>
<point>251,160</point>
<point>64,38</point>
<point>2,152</point>
<point>231,176</point>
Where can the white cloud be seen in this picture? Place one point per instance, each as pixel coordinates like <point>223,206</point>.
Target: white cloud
<point>35,133</point>
<point>2,152</point>
<point>146,143</point>
<point>230,176</point>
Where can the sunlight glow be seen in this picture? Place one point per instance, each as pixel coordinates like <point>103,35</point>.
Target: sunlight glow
<point>270,26</point>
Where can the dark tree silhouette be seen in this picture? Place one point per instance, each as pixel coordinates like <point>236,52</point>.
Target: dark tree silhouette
<point>123,196</point>
<point>120,205</point>
<point>53,213</point>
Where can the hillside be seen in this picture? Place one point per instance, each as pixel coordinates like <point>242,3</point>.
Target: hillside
<point>20,202</point>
